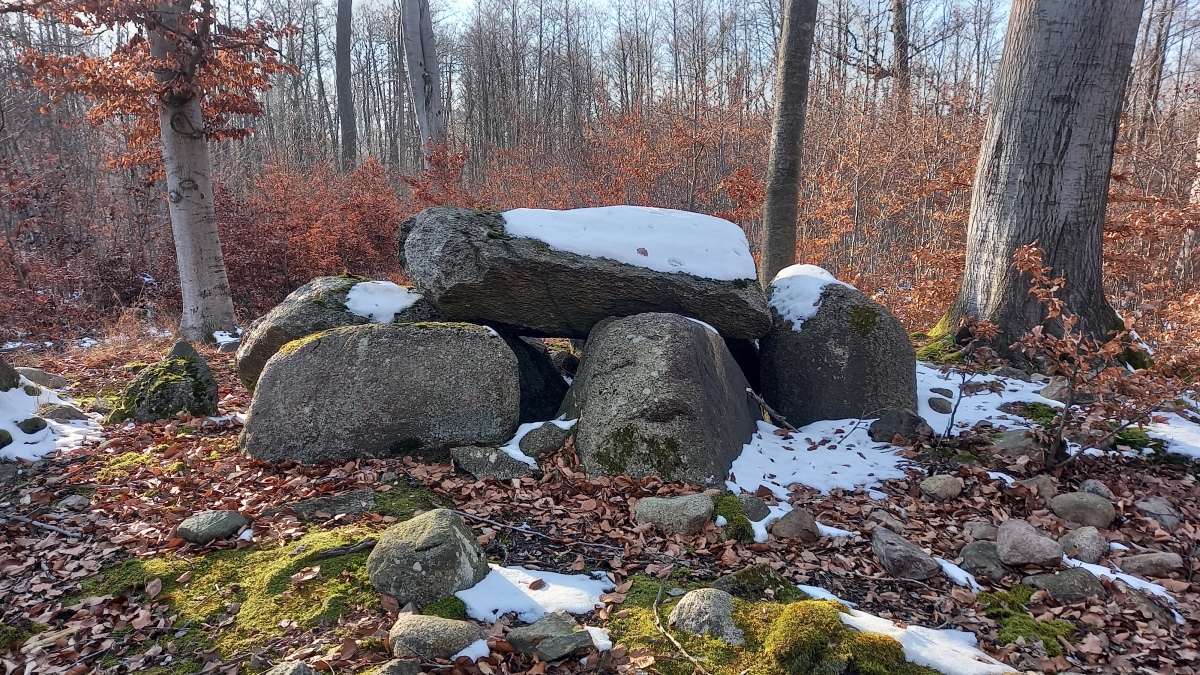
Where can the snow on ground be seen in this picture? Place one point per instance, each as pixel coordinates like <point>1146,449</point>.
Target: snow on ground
<point>952,652</point>
<point>1182,436</point>
<point>379,301</point>
<point>513,447</point>
<point>977,407</point>
<point>848,460</point>
<point>506,589</point>
<point>17,406</point>
<point>958,575</point>
<point>663,240</point>
<point>818,593</point>
<point>221,337</point>
<point>796,292</point>
<point>474,651</point>
<point>1101,571</point>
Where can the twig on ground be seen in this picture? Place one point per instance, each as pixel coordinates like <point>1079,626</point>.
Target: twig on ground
<point>659,626</point>
<point>44,526</point>
<point>364,545</point>
<point>770,411</point>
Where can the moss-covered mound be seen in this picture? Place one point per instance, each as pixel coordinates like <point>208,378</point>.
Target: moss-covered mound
<point>737,525</point>
<point>803,637</point>
<point>181,382</point>
<point>1008,609</point>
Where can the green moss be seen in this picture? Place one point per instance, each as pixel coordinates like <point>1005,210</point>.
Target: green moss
<point>448,325</point>
<point>875,654</point>
<point>941,350</point>
<point>135,367</point>
<point>754,583</point>
<point>5,438</point>
<point>742,284</point>
<point>1040,413</point>
<point>258,579</point>
<point>13,635</point>
<point>447,608</point>
<point>863,320</point>
<point>150,387</point>
<point>737,525</point>
<point>406,498</point>
<point>805,637</point>
<point>1008,609</point>
<point>119,467</point>
<point>661,455</point>
<point>32,390</point>
<point>1137,439</point>
<point>1136,357</point>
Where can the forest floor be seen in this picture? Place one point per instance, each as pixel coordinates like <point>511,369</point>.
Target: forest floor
<point>98,579</point>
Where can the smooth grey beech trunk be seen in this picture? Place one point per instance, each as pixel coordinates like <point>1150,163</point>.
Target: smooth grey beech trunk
<point>420,58</point>
<point>1045,162</point>
<point>345,94</point>
<point>207,303</point>
<point>787,136</point>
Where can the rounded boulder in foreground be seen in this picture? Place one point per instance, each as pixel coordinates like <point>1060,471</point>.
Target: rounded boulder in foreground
<point>426,559</point>
<point>384,390</point>
<point>832,353</point>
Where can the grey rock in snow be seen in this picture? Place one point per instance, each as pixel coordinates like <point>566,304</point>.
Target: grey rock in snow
<point>483,461</point>
<point>426,559</point>
<point>852,358</point>
<point>1070,585</point>
<point>754,508</point>
<point>941,405</point>
<point>1086,544</point>
<point>473,270</point>
<point>796,524</point>
<point>61,411</point>
<point>942,487</point>
<point>554,636</point>
<point>42,378</point>
<point>901,558</point>
<point>416,636</point>
<point>659,395</point>
<point>545,439</point>
<point>384,390</point>
<point>902,422</point>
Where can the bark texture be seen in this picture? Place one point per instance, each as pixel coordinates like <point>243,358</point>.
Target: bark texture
<point>1045,162</point>
<point>787,133</point>
<point>207,302</point>
<point>420,58</point>
<point>345,96</point>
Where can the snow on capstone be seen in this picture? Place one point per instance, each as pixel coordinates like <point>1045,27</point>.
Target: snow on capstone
<point>17,406</point>
<point>796,292</point>
<point>663,240</point>
<point>506,589</point>
<point>379,301</point>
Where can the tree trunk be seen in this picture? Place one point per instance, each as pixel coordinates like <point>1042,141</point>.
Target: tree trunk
<point>1045,162</point>
<point>345,100</point>
<point>424,82</point>
<point>207,303</point>
<point>787,135</point>
<point>901,64</point>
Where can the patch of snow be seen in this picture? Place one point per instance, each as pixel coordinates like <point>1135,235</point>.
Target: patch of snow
<point>830,531</point>
<point>379,301</point>
<point>818,593</point>
<point>506,589</point>
<point>978,407</point>
<point>663,240</point>
<point>847,460</point>
<point>17,406</point>
<point>248,535</point>
<point>714,330</point>
<point>1131,581</point>
<point>222,337</point>
<point>85,343</point>
<point>476,650</point>
<point>513,447</point>
<point>796,292</point>
<point>11,345</point>
<point>952,652</point>
<point>600,638</point>
<point>1182,435</point>
<point>876,495</point>
<point>1000,475</point>
<point>760,526</point>
<point>721,522</point>
<point>1116,546</point>
<point>958,575</point>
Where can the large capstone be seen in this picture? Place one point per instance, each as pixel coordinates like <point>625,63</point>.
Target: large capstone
<point>659,395</point>
<point>384,390</point>
<point>181,382</point>
<point>314,307</point>
<point>426,559</point>
<point>474,270</point>
<point>832,353</point>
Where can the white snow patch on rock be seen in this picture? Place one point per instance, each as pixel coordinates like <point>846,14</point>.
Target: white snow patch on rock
<point>513,447</point>
<point>379,301</point>
<point>663,240</point>
<point>958,575</point>
<point>506,589</point>
<point>474,651</point>
<point>17,406</point>
<point>796,292</point>
<point>1131,581</point>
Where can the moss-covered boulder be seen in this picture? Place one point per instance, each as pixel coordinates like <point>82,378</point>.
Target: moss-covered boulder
<point>756,583</point>
<point>659,395</point>
<point>9,377</point>
<point>831,352</point>
<point>314,307</point>
<point>181,382</point>
<point>384,390</point>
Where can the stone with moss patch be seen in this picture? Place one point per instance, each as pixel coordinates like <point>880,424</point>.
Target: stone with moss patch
<point>659,395</point>
<point>6,438</point>
<point>737,525</point>
<point>759,582</point>
<point>448,608</point>
<point>181,382</point>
